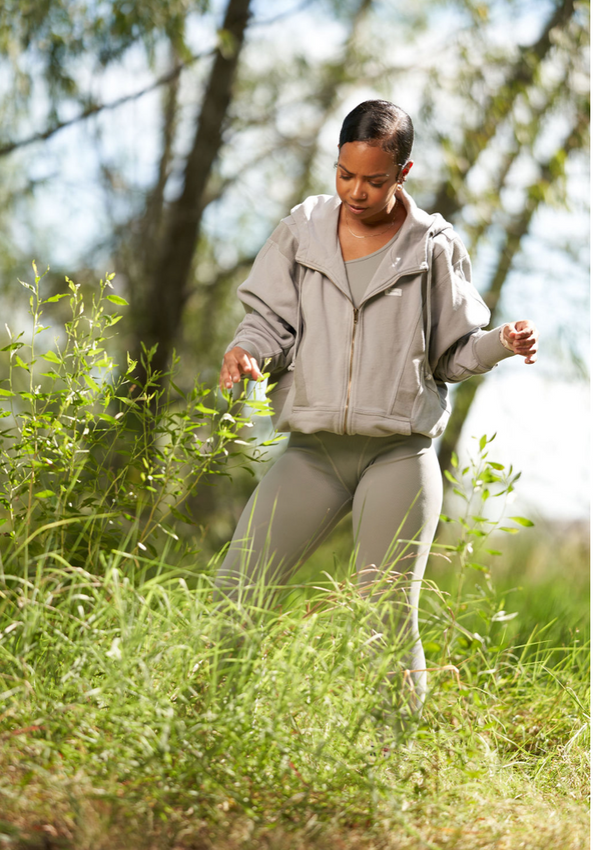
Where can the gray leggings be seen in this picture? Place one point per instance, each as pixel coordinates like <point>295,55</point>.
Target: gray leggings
<point>392,485</point>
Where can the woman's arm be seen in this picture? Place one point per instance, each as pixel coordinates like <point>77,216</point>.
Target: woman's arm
<point>270,297</point>
<point>459,346</point>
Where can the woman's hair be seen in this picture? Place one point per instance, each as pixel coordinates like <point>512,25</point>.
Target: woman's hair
<point>383,123</point>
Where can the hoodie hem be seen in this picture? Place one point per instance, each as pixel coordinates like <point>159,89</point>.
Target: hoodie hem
<point>307,421</point>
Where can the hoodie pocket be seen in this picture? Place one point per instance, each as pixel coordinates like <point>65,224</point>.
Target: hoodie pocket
<point>409,379</point>
<point>431,409</point>
<point>283,383</point>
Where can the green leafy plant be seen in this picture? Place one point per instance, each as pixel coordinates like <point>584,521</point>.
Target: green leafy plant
<point>90,453</point>
<point>473,484</point>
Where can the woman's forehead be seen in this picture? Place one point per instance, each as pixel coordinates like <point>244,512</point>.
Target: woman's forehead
<point>366,158</point>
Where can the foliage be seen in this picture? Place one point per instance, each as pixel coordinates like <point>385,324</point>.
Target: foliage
<point>59,32</point>
<point>92,456</point>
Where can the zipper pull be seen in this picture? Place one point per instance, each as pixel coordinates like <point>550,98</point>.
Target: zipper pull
<point>355,315</point>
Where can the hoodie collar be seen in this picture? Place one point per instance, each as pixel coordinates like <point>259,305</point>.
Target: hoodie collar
<point>319,248</point>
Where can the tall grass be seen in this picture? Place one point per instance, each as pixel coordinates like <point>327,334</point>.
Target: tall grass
<point>129,718</point>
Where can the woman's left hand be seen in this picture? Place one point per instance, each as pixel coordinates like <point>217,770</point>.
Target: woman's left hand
<point>522,338</point>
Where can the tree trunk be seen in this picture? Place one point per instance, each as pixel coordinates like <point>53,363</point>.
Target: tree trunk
<point>160,318</point>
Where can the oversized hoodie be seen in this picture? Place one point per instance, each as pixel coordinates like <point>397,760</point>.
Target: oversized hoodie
<point>377,368</point>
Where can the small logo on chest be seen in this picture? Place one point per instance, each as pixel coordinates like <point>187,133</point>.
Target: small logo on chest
<point>395,290</point>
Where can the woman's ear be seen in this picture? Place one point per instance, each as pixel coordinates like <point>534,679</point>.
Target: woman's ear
<point>406,169</point>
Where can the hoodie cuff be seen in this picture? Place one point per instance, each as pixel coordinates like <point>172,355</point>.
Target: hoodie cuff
<point>489,349</point>
<point>247,346</point>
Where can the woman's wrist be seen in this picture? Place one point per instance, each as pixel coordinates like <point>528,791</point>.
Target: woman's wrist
<point>503,340</point>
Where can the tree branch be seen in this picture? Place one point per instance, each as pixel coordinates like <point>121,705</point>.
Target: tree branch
<point>496,109</point>
<point>96,108</point>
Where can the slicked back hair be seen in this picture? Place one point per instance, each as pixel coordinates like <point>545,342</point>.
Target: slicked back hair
<point>382,123</point>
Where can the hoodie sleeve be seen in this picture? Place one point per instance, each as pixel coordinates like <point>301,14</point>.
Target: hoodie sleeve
<point>459,347</point>
<point>270,298</point>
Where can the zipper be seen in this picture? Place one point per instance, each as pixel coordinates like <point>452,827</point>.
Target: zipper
<point>321,270</point>
<point>344,430</point>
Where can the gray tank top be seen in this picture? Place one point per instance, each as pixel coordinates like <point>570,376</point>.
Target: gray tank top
<point>360,272</point>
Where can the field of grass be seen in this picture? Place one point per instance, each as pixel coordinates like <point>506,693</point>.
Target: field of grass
<point>135,714</point>
<point>122,728</point>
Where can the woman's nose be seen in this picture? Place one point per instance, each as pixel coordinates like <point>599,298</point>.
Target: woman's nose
<point>358,190</point>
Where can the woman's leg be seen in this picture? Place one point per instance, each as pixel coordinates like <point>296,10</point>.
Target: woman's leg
<point>399,498</point>
<point>291,512</point>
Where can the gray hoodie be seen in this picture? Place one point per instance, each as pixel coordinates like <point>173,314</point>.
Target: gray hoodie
<point>381,367</point>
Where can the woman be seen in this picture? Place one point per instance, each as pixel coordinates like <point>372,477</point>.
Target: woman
<point>364,304</point>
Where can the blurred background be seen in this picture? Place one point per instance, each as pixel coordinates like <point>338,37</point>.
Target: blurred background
<point>164,140</point>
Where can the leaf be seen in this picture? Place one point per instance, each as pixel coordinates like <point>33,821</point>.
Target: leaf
<point>475,566</point>
<point>7,393</point>
<point>44,494</point>
<point>54,298</point>
<point>181,516</point>
<point>450,477</point>
<point>488,477</point>
<point>116,299</point>
<point>176,388</point>
<point>509,530</point>
<point>522,521</point>
<point>51,357</point>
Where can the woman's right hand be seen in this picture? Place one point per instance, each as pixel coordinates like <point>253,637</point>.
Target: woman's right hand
<point>236,363</point>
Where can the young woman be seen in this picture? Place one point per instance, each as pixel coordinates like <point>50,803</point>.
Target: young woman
<point>363,303</point>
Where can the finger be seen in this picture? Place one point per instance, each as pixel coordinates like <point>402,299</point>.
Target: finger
<point>256,373</point>
<point>225,378</point>
<point>245,365</point>
<point>522,344</point>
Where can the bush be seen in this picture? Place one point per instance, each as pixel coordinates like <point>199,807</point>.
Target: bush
<point>95,457</point>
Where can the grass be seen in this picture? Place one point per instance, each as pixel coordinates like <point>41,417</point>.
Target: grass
<point>125,724</point>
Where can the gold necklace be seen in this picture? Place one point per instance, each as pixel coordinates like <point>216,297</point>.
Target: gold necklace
<point>371,235</point>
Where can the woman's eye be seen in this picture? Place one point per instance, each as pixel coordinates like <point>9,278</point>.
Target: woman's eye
<point>377,185</point>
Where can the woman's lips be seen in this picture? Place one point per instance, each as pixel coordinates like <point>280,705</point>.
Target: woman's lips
<point>356,209</point>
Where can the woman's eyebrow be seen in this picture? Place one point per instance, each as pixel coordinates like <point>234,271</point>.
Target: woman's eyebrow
<point>368,176</point>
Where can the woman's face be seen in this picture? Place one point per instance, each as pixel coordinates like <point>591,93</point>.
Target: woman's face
<point>366,181</point>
